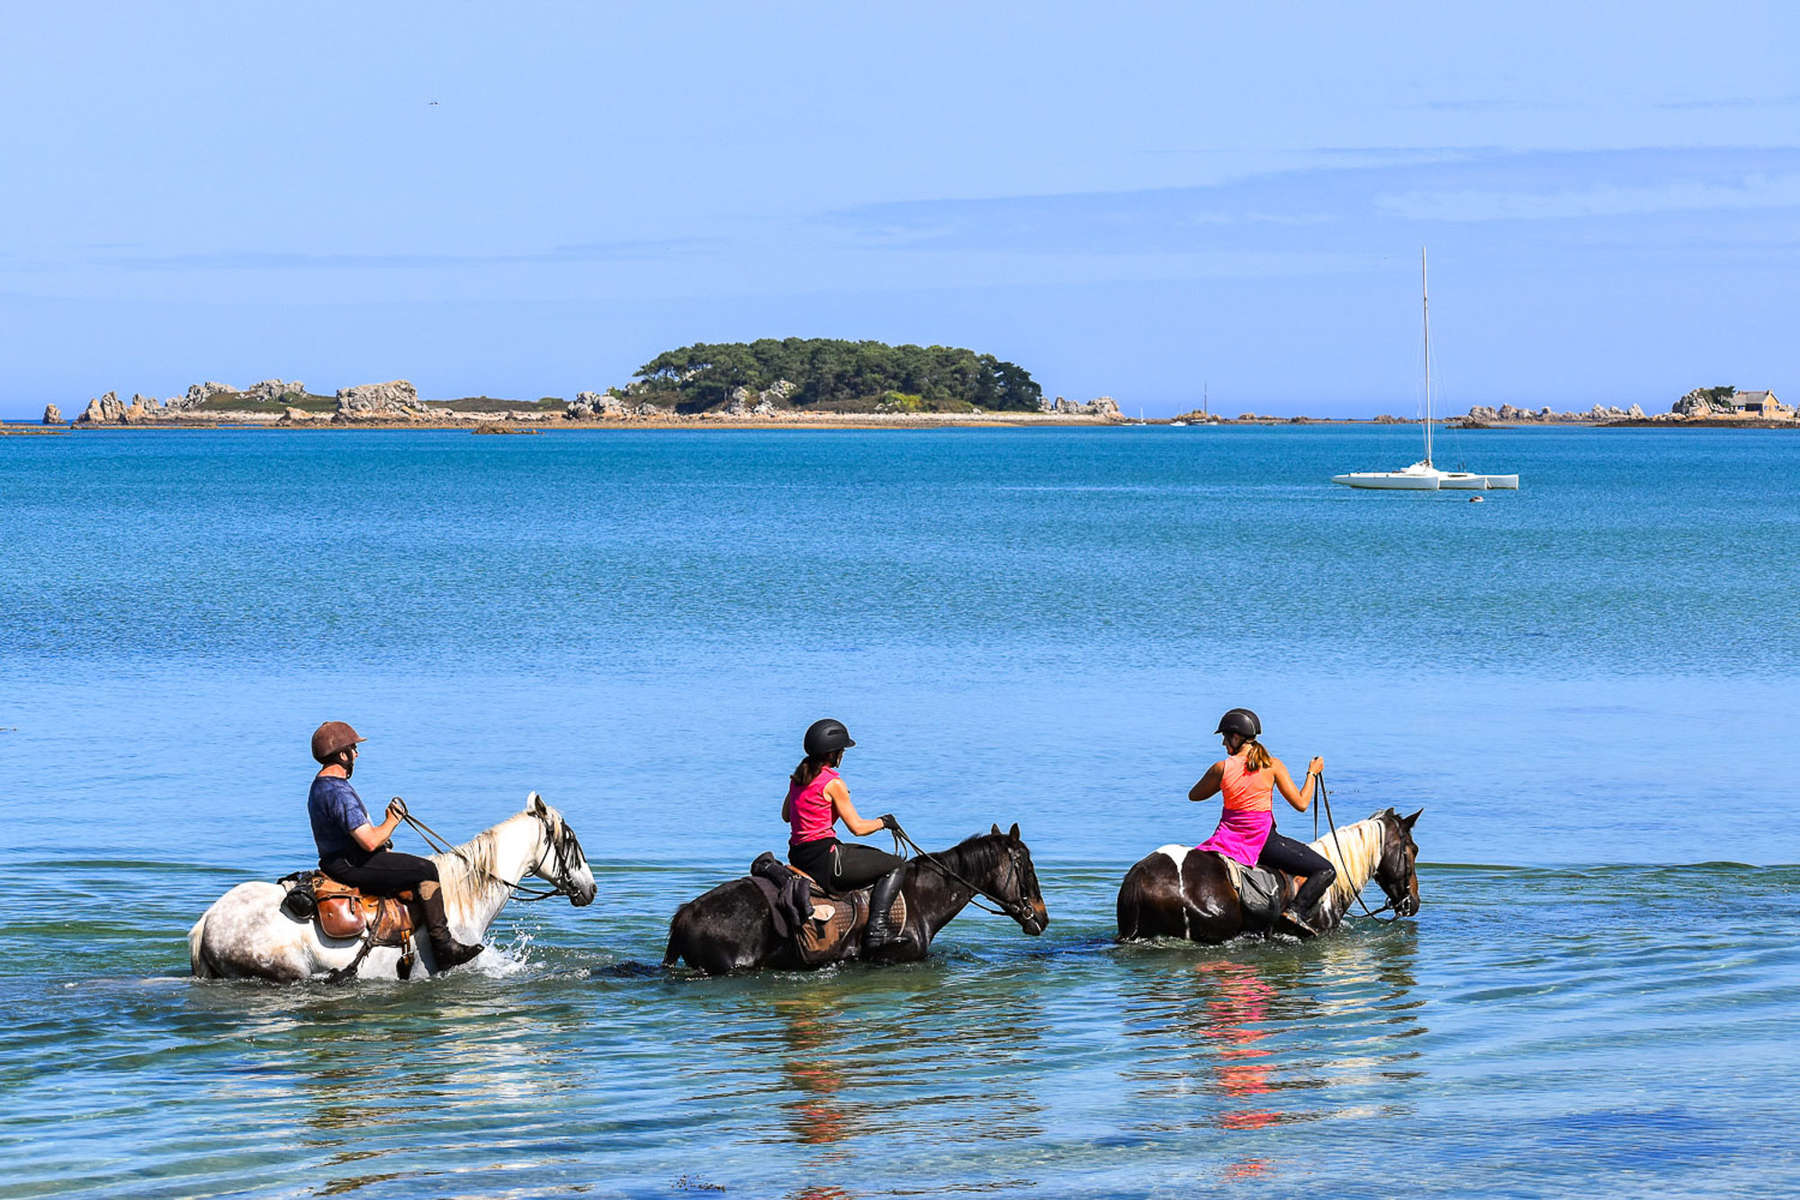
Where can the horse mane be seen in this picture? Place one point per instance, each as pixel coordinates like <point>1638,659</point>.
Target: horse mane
<point>468,872</point>
<point>1362,843</point>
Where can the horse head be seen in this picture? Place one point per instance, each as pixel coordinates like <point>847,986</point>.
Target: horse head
<point>1397,871</point>
<point>1015,886</point>
<point>560,861</point>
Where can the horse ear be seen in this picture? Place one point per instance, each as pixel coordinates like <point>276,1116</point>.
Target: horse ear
<point>996,831</point>
<point>1408,821</point>
<point>534,804</point>
<point>1013,833</point>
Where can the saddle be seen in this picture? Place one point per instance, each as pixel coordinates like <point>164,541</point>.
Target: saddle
<point>830,921</point>
<point>1262,892</point>
<point>341,911</point>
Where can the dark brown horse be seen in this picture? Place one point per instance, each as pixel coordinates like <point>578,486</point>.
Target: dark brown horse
<point>1180,892</point>
<point>731,929</point>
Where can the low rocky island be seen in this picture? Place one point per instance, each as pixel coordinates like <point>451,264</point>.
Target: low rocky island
<point>794,382</point>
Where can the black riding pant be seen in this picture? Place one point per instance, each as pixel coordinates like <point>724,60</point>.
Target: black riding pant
<point>842,867</point>
<point>383,873</point>
<point>1297,858</point>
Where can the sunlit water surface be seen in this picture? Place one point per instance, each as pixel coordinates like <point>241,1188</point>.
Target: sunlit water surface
<point>1588,685</point>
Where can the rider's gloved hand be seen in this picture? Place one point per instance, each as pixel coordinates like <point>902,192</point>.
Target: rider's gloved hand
<point>890,821</point>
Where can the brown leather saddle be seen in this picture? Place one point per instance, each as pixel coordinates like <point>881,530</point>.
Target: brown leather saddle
<point>838,920</point>
<point>345,912</point>
<point>341,911</point>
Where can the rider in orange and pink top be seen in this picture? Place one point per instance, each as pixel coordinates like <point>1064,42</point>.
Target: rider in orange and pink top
<point>1246,833</point>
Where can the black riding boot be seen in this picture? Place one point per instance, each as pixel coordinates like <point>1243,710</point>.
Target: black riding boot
<point>1304,912</point>
<point>880,931</point>
<point>446,951</point>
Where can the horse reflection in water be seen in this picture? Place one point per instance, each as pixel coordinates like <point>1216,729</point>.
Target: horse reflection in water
<point>1236,1045</point>
<point>899,1084</point>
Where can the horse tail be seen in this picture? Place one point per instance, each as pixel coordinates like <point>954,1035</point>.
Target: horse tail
<point>196,950</point>
<point>677,938</point>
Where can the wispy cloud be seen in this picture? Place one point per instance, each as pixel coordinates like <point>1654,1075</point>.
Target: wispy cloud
<point>289,260</point>
<point>1322,207</point>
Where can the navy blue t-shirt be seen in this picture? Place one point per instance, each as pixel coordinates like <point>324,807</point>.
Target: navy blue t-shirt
<point>335,809</point>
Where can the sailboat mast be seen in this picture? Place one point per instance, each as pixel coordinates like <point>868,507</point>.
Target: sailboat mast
<point>1425,308</point>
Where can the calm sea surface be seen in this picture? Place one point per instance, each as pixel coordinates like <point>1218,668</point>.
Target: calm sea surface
<point>1592,687</point>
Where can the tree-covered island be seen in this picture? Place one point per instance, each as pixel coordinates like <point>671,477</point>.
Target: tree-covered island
<point>829,375</point>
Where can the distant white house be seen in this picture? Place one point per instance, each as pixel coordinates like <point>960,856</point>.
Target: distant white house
<point>1760,404</point>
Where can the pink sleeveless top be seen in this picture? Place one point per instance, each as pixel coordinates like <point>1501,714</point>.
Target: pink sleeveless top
<point>809,812</point>
<point>1249,815</point>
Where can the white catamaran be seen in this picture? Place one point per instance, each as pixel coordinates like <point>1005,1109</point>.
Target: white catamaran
<point>1422,476</point>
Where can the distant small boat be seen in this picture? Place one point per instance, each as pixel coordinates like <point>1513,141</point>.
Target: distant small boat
<point>1422,476</point>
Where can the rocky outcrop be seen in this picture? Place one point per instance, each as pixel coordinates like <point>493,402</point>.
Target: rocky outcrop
<point>143,408</point>
<point>1702,403</point>
<point>197,395</point>
<point>394,400</point>
<point>1100,406</point>
<point>52,415</point>
<point>270,391</point>
<point>749,402</point>
<point>592,406</point>
<point>104,410</point>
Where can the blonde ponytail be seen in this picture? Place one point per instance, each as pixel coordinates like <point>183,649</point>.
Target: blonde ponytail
<point>1256,756</point>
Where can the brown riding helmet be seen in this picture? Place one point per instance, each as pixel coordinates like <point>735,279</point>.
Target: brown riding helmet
<point>332,737</point>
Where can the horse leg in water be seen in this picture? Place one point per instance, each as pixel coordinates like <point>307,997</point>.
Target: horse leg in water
<point>727,929</point>
<point>1178,892</point>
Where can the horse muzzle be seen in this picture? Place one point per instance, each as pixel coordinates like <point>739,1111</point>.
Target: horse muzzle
<point>584,897</point>
<point>1035,920</point>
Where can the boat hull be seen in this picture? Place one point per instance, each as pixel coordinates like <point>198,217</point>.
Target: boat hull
<point>1463,481</point>
<point>1504,482</point>
<point>1388,481</point>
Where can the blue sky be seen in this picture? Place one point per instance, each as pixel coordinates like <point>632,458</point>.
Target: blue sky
<point>1125,199</point>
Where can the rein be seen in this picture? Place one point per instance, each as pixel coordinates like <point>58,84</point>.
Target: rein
<point>519,892</point>
<point>1017,910</point>
<point>1325,802</point>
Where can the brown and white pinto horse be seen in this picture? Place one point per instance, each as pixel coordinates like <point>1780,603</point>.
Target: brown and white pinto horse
<point>1179,892</point>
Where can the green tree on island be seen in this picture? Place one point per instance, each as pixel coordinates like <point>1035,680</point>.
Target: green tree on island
<point>829,374</point>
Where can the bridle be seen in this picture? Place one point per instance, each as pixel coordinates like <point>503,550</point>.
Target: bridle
<point>1018,909</point>
<point>557,833</point>
<point>1392,904</point>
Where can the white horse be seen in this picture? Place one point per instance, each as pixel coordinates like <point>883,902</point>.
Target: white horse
<point>245,935</point>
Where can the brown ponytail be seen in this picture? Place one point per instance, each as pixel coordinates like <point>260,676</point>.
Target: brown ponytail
<point>1256,756</point>
<point>809,767</point>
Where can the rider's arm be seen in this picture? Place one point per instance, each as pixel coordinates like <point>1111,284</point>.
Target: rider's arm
<point>374,837</point>
<point>1209,783</point>
<point>839,795</point>
<point>1300,797</point>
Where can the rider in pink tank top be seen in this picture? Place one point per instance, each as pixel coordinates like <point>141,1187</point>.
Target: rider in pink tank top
<point>809,810</point>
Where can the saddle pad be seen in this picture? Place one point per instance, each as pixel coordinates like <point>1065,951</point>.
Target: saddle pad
<point>1259,889</point>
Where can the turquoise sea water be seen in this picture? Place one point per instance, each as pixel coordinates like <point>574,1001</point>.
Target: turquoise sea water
<point>1589,685</point>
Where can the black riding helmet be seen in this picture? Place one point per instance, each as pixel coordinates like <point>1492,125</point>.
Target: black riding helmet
<point>1242,722</point>
<point>826,737</point>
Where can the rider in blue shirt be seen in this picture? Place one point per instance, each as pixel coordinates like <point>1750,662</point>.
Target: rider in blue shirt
<point>353,851</point>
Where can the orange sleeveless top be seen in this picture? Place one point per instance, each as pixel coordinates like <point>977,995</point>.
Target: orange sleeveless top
<point>1247,791</point>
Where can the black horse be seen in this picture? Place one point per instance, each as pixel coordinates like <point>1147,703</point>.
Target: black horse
<point>731,929</point>
<point>1182,893</point>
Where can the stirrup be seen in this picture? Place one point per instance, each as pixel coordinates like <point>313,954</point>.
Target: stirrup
<point>1291,922</point>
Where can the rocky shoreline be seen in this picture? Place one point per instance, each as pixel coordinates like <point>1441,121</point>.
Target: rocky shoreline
<point>396,404</point>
